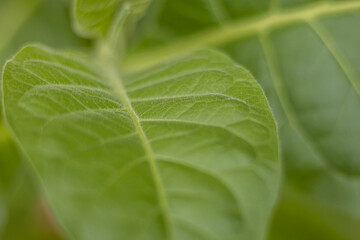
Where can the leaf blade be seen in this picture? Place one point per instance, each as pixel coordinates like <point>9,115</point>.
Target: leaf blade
<point>139,147</point>
<point>307,66</point>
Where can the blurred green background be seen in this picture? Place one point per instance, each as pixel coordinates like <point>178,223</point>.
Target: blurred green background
<point>316,203</point>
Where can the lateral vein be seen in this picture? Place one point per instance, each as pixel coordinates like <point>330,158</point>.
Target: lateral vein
<point>337,53</point>
<point>283,98</point>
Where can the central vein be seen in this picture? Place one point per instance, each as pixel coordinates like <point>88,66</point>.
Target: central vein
<point>114,79</point>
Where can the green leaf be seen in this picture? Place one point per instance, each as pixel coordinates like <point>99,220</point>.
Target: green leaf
<point>8,172</point>
<point>306,56</point>
<point>13,15</point>
<point>20,213</point>
<point>23,21</point>
<point>185,150</point>
<point>45,21</point>
<point>274,38</point>
<point>93,18</point>
<point>313,220</point>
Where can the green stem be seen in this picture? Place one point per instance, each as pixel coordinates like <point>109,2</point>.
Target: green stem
<point>234,31</point>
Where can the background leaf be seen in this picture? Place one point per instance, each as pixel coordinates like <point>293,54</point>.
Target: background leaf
<point>185,150</point>
<point>305,54</point>
<point>8,173</point>
<point>23,211</point>
<point>92,18</point>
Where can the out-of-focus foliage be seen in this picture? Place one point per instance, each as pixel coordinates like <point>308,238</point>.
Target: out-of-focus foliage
<point>94,18</point>
<point>37,21</point>
<point>22,214</point>
<point>304,53</point>
<point>306,56</point>
<point>22,210</point>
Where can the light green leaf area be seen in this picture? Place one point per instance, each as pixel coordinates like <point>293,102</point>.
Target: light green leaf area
<point>184,150</point>
<point>306,57</point>
<point>92,18</point>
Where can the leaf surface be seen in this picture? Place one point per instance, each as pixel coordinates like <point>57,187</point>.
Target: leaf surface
<point>305,54</point>
<point>93,18</point>
<point>185,150</point>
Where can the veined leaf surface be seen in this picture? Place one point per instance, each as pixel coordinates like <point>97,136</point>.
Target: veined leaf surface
<point>306,56</point>
<point>185,150</point>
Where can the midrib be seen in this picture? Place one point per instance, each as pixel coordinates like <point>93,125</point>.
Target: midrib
<point>113,76</point>
<point>235,30</point>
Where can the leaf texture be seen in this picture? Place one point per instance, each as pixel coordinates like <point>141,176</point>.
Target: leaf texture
<point>305,54</point>
<point>185,150</point>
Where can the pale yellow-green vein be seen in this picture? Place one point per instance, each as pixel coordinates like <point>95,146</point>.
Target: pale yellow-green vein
<point>236,30</point>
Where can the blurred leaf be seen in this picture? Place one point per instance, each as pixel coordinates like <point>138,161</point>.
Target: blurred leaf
<point>23,21</point>
<point>306,56</point>
<point>168,153</point>
<point>300,217</point>
<point>9,166</point>
<point>47,22</point>
<point>92,18</point>
<point>12,15</point>
<point>19,214</point>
